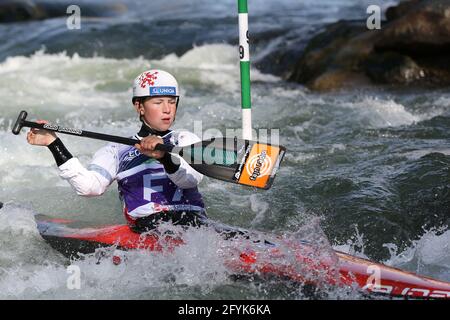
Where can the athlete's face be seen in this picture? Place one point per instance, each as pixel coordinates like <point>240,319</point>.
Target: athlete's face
<point>158,112</point>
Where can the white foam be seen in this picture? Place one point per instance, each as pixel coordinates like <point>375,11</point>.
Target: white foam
<point>215,64</point>
<point>443,102</point>
<point>17,219</point>
<point>354,246</point>
<point>382,113</point>
<point>300,157</point>
<point>73,88</point>
<point>379,113</point>
<point>435,249</point>
<point>58,84</point>
<point>192,265</point>
<point>337,147</point>
<point>260,207</point>
<point>22,248</point>
<point>417,154</point>
<point>430,250</point>
<point>428,256</point>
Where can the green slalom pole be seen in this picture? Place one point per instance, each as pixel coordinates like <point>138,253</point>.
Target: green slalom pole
<point>244,56</point>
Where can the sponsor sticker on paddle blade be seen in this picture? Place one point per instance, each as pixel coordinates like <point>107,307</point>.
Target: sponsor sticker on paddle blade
<point>260,165</point>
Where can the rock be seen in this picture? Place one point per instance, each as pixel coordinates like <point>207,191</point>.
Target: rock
<point>13,11</point>
<point>422,35</point>
<point>412,47</point>
<point>393,68</point>
<point>278,62</point>
<point>401,9</point>
<point>320,55</point>
<point>420,31</point>
<point>336,79</point>
<point>21,10</point>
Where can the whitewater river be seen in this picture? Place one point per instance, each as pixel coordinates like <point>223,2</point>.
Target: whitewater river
<point>366,170</point>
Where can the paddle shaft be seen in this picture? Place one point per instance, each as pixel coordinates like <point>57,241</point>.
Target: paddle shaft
<point>21,122</point>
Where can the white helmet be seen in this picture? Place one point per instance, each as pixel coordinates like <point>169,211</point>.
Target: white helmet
<point>155,82</point>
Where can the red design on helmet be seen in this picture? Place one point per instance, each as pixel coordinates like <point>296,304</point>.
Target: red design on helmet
<point>148,78</point>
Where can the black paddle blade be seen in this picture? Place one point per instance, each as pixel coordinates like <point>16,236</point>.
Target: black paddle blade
<point>236,160</point>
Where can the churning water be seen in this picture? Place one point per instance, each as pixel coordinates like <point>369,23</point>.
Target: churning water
<point>368,169</point>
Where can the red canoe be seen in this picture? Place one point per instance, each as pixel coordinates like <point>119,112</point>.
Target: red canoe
<point>297,261</point>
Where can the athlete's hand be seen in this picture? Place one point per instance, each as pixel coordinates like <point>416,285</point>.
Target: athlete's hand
<point>147,147</point>
<point>40,137</point>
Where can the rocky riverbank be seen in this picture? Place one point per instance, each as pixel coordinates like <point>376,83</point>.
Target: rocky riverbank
<point>412,48</point>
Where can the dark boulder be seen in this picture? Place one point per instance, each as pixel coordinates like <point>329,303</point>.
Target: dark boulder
<point>391,67</point>
<point>21,10</point>
<point>411,48</point>
<point>401,9</point>
<point>331,58</point>
<point>14,11</point>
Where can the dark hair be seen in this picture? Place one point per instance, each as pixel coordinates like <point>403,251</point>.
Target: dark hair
<point>140,99</point>
<point>143,99</point>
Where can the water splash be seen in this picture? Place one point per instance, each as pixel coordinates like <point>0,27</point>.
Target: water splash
<point>429,255</point>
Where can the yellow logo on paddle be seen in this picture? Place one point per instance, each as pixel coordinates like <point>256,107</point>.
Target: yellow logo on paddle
<point>259,165</point>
